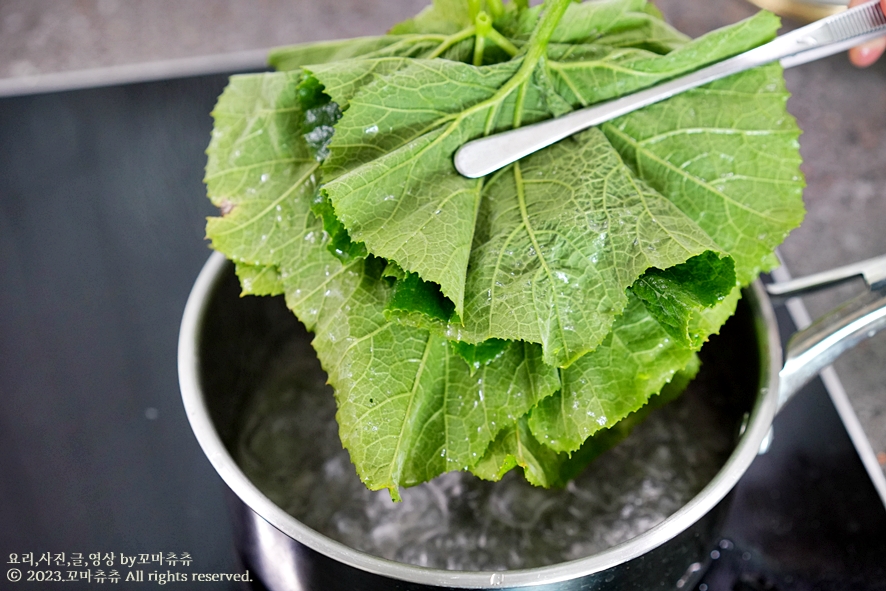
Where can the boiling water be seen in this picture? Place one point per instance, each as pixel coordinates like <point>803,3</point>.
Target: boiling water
<point>288,446</point>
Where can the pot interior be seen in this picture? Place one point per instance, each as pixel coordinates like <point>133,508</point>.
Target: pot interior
<point>267,397</point>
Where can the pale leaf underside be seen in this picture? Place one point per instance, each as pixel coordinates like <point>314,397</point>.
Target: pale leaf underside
<point>544,254</point>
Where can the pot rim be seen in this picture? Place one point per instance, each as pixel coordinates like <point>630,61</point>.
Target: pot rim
<point>758,425</point>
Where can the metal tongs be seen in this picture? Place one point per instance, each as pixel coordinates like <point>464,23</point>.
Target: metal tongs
<point>820,39</point>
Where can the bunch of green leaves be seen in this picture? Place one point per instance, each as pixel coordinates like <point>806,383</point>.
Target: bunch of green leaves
<point>528,317</point>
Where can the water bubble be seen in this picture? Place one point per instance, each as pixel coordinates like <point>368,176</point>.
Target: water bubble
<point>289,447</point>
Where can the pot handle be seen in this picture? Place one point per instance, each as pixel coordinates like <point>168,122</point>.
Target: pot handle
<point>812,349</point>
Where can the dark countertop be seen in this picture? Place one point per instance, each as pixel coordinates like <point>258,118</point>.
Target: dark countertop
<point>101,237</point>
<point>840,110</point>
<point>50,36</point>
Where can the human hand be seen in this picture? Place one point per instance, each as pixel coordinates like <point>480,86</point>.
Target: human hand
<point>866,54</point>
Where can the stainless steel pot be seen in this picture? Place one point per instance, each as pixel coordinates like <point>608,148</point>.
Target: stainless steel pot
<point>225,340</point>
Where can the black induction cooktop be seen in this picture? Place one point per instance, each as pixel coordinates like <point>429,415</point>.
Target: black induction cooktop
<point>101,237</point>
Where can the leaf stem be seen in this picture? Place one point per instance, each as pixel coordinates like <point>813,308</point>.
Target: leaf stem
<point>503,42</point>
<point>483,25</point>
<point>452,40</point>
<point>518,105</point>
<point>474,8</point>
<point>496,8</point>
<point>479,45</point>
<point>538,42</point>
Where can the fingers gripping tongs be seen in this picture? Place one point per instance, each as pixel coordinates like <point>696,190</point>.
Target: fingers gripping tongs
<point>820,39</point>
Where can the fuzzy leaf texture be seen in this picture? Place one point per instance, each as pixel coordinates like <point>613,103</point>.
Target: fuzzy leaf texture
<point>392,184</point>
<point>515,320</point>
<point>410,407</point>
